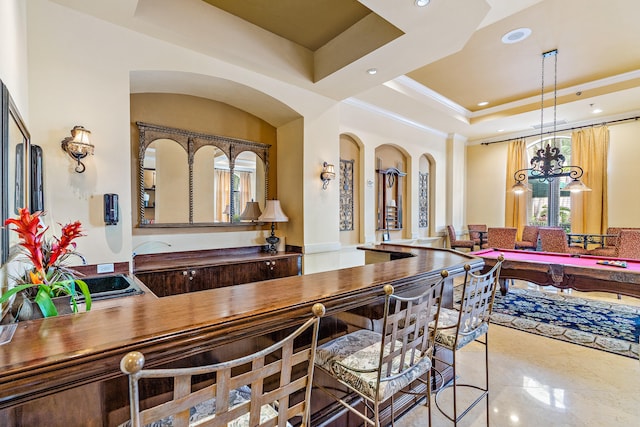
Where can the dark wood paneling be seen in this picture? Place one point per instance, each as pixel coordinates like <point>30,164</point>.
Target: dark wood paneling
<point>221,270</point>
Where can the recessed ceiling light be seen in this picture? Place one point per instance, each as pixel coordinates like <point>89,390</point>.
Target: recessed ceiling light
<point>483,103</point>
<point>597,110</point>
<point>515,36</point>
<point>422,3</point>
<point>372,71</point>
<point>500,130</point>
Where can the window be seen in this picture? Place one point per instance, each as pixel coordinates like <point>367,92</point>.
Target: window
<point>548,204</point>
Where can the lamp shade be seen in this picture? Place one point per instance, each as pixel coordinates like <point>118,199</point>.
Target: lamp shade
<point>576,186</point>
<point>251,212</point>
<point>273,212</point>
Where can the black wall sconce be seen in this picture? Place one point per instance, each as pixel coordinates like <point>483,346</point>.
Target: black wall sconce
<point>78,146</point>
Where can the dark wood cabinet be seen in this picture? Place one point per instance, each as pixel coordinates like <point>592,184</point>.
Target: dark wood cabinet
<point>266,269</point>
<point>192,272</point>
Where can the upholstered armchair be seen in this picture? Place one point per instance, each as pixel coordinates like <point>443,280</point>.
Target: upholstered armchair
<point>611,242</point>
<point>454,242</point>
<point>529,238</point>
<point>627,246</point>
<point>555,240</point>
<point>501,238</point>
<point>474,233</point>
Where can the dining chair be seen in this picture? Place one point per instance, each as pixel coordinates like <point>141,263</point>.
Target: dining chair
<point>529,238</point>
<point>627,246</point>
<point>555,240</point>
<point>501,238</point>
<point>615,231</point>
<point>457,328</point>
<point>249,391</point>
<point>376,365</point>
<point>474,233</point>
<point>611,242</point>
<point>454,242</point>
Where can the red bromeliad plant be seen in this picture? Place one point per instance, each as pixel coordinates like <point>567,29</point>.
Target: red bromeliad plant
<point>49,277</point>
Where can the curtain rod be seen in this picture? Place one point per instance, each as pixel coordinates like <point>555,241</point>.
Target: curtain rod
<point>563,130</point>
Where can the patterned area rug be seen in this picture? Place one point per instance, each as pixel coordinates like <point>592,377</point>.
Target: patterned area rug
<point>605,326</point>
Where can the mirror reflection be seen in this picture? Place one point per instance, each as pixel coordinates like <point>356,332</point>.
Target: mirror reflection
<point>189,179</point>
<point>166,183</point>
<point>15,143</point>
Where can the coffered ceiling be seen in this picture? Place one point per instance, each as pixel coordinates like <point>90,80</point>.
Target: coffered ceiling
<point>434,64</point>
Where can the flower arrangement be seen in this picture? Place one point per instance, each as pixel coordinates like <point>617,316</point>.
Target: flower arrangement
<point>48,276</point>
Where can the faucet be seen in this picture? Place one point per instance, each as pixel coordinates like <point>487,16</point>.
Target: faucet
<point>148,242</point>
<point>84,260</point>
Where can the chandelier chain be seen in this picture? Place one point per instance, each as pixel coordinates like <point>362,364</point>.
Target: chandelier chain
<point>542,98</point>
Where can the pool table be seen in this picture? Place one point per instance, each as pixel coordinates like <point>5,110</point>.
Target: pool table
<point>581,272</point>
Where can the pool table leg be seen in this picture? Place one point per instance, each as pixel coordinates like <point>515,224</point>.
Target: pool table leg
<point>504,286</point>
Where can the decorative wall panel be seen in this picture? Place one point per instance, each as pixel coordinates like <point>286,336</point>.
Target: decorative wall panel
<point>423,202</point>
<point>346,195</point>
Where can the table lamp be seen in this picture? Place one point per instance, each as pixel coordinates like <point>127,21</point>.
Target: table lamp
<point>273,213</point>
<point>251,212</point>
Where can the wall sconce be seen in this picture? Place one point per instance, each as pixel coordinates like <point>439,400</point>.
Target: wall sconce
<point>78,146</point>
<point>327,174</point>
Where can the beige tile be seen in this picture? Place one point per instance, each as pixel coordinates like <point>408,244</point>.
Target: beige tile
<point>537,381</point>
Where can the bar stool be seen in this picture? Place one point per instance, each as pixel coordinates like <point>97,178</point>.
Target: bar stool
<point>374,366</point>
<point>468,324</point>
<point>237,396</point>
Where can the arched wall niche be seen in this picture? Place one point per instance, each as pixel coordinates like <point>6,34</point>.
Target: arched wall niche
<point>211,105</point>
<point>204,122</point>
<point>351,190</point>
<point>393,185</point>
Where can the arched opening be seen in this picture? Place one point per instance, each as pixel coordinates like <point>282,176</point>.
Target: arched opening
<point>391,185</point>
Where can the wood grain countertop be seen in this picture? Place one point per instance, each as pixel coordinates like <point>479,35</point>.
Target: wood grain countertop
<point>50,354</point>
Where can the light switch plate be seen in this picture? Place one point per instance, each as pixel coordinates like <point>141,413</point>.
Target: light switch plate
<point>105,268</point>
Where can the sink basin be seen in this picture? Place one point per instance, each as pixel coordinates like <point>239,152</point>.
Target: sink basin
<point>114,286</point>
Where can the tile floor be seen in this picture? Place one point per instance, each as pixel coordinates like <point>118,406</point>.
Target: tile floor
<point>537,381</point>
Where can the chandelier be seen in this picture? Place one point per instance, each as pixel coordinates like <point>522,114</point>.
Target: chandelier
<point>548,163</point>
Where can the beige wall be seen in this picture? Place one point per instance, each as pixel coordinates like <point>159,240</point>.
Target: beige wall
<point>372,131</point>
<point>485,185</point>
<point>290,181</point>
<point>96,93</point>
<point>13,51</point>
<point>624,174</point>
<point>456,174</point>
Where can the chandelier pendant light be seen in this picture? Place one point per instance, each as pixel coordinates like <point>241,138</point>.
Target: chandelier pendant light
<point>548,163</point>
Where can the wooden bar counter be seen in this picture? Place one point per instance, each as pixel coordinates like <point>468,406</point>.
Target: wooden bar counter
<point>64,371</point>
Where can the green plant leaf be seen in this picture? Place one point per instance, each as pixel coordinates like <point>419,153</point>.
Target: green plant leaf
<point>15,290</point>
<point>85,291</point>
<point>43,299</point>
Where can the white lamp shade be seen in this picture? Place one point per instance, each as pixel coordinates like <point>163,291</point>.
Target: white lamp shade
<point>273,212</point>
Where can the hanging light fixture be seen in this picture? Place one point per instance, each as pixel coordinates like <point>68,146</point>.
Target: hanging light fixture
<point>548,163</point>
